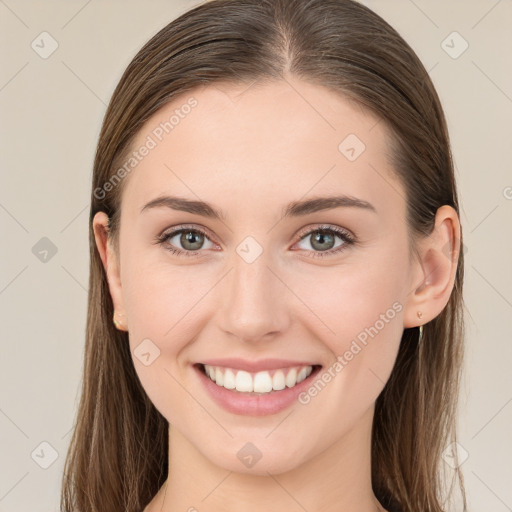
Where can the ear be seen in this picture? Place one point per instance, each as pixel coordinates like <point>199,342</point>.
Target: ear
<point>111,266</point>
<point>434,273</point>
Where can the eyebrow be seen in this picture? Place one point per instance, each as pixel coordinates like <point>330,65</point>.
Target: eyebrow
<point>293,209</point>
<point>299,208</point>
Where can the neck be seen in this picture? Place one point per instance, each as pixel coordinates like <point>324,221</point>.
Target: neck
<point>336,480</point>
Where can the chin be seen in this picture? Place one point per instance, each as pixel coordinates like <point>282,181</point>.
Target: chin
<point>258,458</point>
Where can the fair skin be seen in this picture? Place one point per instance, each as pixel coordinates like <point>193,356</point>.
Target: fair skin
<point>249,152</point>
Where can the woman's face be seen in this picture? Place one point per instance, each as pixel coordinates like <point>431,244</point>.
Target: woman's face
<point>263,282</point>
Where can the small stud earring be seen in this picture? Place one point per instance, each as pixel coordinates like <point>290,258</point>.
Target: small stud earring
<point>420,314</point>
<point>116,323</point>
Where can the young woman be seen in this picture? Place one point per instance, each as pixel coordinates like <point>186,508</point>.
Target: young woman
<point>275,300</point>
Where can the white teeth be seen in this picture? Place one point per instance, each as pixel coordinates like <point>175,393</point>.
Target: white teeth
<point>243,381</point>
<point>278,382</point>
<point>229,379</point>
<point>301,375</point>
<point>291,378</point>
<point>219,377</point>
<point>260,382</point>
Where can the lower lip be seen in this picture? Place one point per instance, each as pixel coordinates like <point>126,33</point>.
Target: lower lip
<point>254,405</point>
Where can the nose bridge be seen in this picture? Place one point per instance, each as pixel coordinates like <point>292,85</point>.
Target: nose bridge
<point>253,302</point>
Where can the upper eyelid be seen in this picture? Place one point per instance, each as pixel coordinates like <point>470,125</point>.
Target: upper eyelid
<point>338,230</point>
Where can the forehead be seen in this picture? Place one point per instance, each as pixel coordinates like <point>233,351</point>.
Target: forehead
<point>242,145</point>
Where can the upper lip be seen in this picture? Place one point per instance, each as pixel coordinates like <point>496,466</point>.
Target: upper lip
<point>255,366</point>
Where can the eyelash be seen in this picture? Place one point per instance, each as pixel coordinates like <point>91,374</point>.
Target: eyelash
<point>344,235</point>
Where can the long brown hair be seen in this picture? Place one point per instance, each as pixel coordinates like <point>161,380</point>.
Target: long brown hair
<point>118,455</point>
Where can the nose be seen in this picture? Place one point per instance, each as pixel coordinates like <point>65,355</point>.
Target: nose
<point>254,302</point>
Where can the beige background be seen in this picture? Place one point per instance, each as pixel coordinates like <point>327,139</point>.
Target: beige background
<point>51,112</point>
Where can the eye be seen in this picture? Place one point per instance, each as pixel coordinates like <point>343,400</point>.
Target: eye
<point>322,240</point>
<point>190,239</point>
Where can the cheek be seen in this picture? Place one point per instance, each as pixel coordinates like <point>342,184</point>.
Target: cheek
<point>162,299</point>
<point>348,300</point>
<point>366,320</point>
<point>358,316</point>
<point>162,305</point>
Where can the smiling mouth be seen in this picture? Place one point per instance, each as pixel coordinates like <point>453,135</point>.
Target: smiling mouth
<point>258,383</point>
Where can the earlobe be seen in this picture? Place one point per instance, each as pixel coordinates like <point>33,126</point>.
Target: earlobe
<point>109,260</point>
<point>435,272</point>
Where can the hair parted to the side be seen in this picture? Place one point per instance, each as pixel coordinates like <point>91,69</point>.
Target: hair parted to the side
<point>117,459</point>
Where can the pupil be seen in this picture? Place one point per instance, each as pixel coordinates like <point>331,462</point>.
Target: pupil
<point>322,237</point>
<point>190,238</point>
